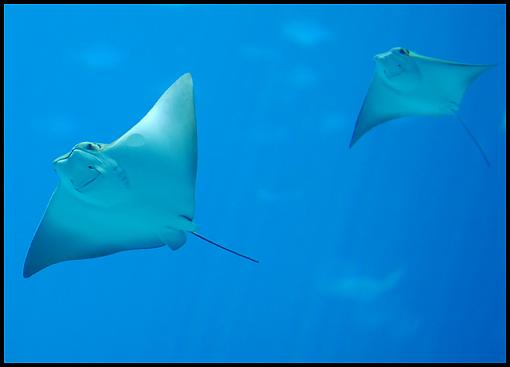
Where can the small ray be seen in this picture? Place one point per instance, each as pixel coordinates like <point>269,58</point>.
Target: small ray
<point>408,84</point>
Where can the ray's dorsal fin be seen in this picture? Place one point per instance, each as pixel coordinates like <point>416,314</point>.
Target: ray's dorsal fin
<point>223,247</point>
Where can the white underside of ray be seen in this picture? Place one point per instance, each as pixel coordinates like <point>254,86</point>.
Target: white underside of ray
<point>159,157</point>
<point>72,229</point>
<point>440,90</point>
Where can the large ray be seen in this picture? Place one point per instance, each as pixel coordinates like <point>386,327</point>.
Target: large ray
<point>408,84</point>
<point>135,193</point>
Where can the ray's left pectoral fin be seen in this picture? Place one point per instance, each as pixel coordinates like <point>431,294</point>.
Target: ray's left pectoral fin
<point>64,233</point>
<point>459,77</point>
<point>450,79</point>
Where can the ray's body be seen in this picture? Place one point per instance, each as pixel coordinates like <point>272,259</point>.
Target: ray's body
<point>408,84</point>
<point>135,193</point>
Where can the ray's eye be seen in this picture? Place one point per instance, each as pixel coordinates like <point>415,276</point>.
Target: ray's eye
<point>93,146</point>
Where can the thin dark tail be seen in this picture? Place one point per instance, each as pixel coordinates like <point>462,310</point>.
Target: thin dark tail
<point>222,247</point>
<point>474,140</point>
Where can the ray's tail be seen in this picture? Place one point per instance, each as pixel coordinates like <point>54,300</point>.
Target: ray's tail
<point>222,247</point>
<point>474,140</point>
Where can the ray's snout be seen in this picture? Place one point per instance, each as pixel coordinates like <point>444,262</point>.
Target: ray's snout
<point>382,56</point>
<point>58,161</point>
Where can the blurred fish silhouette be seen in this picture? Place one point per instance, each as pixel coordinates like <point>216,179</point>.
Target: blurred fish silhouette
<point>408,84</point>
<point>135,193</point>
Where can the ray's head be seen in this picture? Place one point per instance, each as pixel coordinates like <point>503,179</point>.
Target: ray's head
<point>90,173</point>
<point>398,68</point>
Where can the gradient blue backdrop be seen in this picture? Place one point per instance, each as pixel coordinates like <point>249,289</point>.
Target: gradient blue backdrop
<point>391,251</point>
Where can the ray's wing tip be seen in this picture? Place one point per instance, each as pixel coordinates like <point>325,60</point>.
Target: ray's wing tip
<point>28,267</point>
<point>352,142</point>
<point>184,85</point>
<point>28,271</point>
<point>32,266</point>
<point>186,78</point>
<point>354,138</point>
<point>180,88</point>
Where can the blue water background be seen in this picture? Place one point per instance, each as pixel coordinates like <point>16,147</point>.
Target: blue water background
<point>391,251</point>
